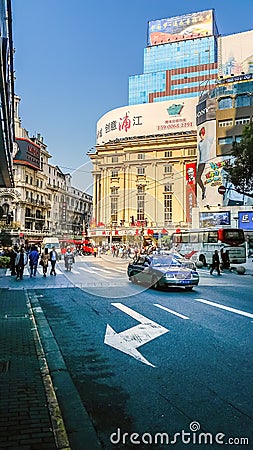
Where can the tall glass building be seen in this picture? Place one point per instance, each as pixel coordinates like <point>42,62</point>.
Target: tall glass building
<point>180,60</point>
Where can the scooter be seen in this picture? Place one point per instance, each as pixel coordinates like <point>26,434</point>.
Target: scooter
<point>69,266</point>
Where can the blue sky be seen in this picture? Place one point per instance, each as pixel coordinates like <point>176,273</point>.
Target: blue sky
<point>73,59</point>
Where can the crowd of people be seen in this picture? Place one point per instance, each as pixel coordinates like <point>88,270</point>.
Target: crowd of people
<point>20,257</point>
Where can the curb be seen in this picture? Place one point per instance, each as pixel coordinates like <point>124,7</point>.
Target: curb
<point>77,426</point>
<point>59,431</point>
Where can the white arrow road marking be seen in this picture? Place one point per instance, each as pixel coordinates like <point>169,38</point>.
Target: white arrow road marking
<point>171,311</point>
<point>227,308</point>
<point>129,340</point>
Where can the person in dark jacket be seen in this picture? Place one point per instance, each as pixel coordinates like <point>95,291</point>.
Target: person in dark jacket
<point>20,263</point>
<point>225,263</point>
<point>215,263</point>
<point>33,261</point>
<point>53,258</point>
<point>12,254</point>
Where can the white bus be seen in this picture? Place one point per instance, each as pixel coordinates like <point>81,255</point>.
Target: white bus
<point>199,244</point>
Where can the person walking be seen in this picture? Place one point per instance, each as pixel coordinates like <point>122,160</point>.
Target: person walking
<point>13,253</point>
<point>215,263</point>
<point>53,258</point>
<point>225,262</point>
<point>20,262</point>
<point>44,261</point>
<point>68,259</point>
<point>33,261</point>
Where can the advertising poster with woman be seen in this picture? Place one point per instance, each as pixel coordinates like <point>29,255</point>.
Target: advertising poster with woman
<point>206,155</point>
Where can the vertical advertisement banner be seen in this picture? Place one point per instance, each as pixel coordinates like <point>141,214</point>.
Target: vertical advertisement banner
<point>190,190</point>
<point>208,176</point>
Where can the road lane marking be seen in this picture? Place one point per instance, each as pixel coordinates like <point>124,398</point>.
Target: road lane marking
<point>87,270</point>
<point>227,308</point>
<point>129,340</point>
<point>102,270</point>
<point>171,311</point>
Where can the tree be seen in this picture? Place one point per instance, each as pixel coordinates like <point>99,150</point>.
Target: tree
<point>240,168</point>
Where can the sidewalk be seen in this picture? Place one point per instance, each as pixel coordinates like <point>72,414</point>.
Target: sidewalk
<point>27,420</point>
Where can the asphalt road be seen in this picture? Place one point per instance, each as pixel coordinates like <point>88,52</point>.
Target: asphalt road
<point>146,362</point>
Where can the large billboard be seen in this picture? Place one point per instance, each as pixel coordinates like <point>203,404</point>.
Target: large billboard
<point>147,119</point>
<point>206,110</point>
<point>245,220</point>
<point>188,26</point>
<point>214,219</point>
<point>28,153</point>
<point>236,54</point>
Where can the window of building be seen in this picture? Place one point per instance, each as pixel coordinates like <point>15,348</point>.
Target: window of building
<point>191,152</point>
<point>168,169</point>
<point>168,154</point>
<point>140,202</point>
<point>26,179</point>
<point>31,180</point>
<point>114,209</point>
<point>115,173</point>
<point>225,103</point>
<point>41,163</point>
<point>115,159</point>
<point>225,140</point>
<point>168,187</point>
<point>114,190</point>
<point>167,208</point>
<point>238,138</point>
<point>141,155</point>
<point>242,121</point>
<point>225,123</point>
<point>242,100</point>
<point>141,170</point>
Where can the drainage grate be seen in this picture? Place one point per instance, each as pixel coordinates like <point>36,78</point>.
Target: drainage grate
<point>4,366</point>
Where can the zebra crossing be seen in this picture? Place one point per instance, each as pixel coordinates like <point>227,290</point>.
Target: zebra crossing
<point>104,272</point>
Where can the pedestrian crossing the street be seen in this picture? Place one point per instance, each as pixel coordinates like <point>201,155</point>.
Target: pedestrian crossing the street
<point>38,273</point>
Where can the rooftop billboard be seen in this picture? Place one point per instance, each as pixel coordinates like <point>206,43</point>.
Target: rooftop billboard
<point>188,26</point>
<point>236,54</point>
<point>147,119</point>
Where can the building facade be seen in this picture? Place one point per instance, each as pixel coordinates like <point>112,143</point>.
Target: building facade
<point>223,114</point>
<point>43,201</point>
<point>148,172</point>
<point>6,96</point>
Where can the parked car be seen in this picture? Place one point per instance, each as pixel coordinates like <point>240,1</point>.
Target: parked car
<point>162,271</point>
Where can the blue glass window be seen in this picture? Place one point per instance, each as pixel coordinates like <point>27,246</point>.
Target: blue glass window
<point>225,103</point>
<point>225,140</point>
<point>242,100</point>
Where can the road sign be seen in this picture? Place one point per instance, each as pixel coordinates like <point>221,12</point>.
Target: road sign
<point>129,340</point>
<point>221,190</point>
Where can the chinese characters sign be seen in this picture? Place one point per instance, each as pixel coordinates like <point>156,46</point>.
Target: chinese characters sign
<point>147,119</point>
<point>179,28</point>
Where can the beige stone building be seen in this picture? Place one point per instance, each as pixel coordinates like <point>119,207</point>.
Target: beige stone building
<point>140,184</point>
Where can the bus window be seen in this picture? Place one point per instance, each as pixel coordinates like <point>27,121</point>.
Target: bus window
<point>194,237</point>
<point>233,236</point>
<point>176,238</point>
<point>212,236</point>
<point>185,238</point>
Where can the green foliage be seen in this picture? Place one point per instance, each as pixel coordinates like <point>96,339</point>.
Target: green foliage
<point>4,262</point>
<point>240,170</point>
